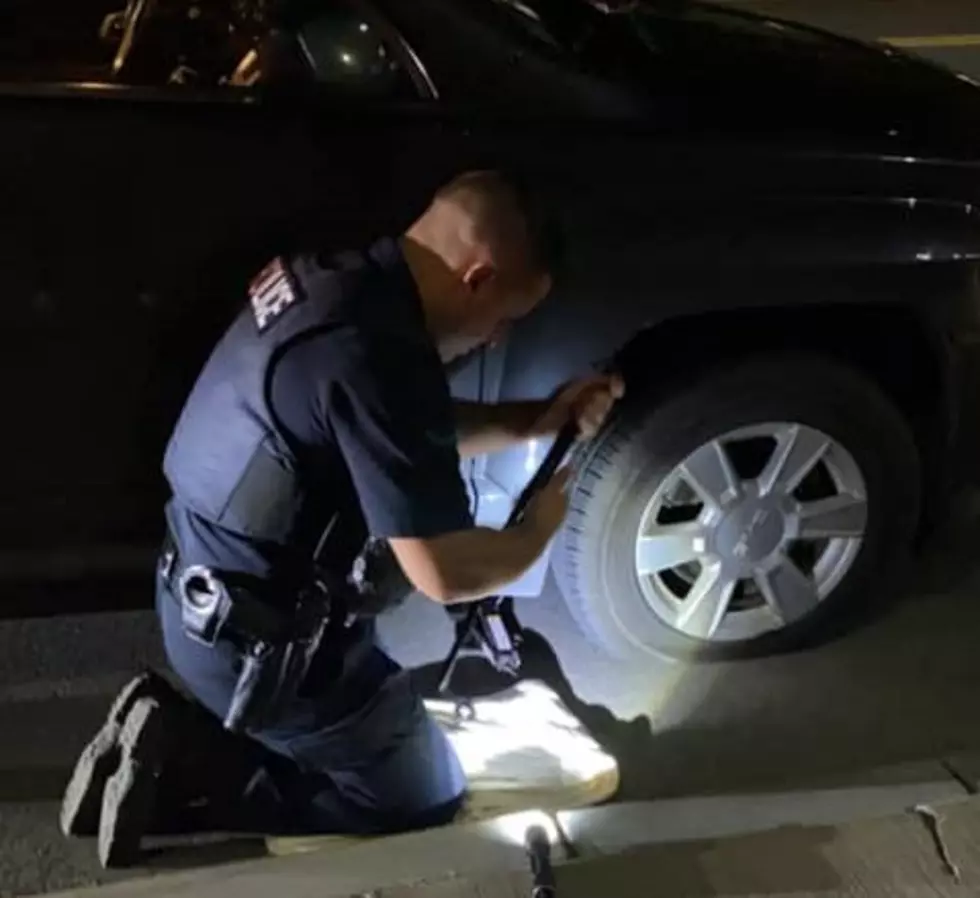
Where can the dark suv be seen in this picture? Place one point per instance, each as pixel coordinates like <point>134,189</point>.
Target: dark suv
<point>771,229</point>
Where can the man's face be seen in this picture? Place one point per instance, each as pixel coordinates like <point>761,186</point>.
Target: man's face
<point>490,302</point>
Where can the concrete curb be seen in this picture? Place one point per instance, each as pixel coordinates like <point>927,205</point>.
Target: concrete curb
<point>346,867</point>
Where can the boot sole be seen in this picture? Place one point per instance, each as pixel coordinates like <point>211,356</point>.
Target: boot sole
<point>130,793</point>
<point>79,814</point>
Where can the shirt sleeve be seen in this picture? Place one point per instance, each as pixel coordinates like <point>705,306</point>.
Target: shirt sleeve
<point>389,414</point>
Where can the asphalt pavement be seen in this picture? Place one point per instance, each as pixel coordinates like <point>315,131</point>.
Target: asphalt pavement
<point>899,689</point>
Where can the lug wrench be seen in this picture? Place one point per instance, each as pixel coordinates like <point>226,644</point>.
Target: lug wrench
<point>490,630</point>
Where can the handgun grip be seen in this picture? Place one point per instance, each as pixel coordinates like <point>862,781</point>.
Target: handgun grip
<point>250,691</point>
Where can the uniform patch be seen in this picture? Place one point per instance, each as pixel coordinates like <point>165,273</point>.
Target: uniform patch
<point>271,293</point>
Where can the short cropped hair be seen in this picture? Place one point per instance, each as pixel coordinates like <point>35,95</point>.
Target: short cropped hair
<point>504,208</point>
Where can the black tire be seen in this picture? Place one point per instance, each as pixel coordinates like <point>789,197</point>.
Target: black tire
<point>594,554</point>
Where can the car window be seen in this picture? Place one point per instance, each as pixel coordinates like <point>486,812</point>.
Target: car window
<point>80,45</point>
<point>38,48</point>
<point>345,49</point>
<point>521,57</point>
<point>334,44</point>
<point>520,19</point>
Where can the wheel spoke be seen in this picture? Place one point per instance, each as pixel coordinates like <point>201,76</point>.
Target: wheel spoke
<point>797,450</point>
<point>705,606</point>
<point>788,591</point>
<point>837,516</point>
<point>667,547</point>
<point>710,472</point>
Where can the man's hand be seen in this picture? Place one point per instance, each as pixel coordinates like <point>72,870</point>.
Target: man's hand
<point>491,428</point>
<point>587,401</point>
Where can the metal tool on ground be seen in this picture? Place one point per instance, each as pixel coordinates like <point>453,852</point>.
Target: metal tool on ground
<point>538,847</point>
<point>489,629</point>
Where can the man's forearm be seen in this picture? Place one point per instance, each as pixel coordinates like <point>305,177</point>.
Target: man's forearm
<point>473,564</point>
<point>483,428</point>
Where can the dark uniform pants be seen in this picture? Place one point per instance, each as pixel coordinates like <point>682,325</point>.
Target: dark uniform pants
<point>355,752</point>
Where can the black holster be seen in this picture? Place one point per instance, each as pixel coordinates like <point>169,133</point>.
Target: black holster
<point>278,642</point>
<point>277,645</point>
<point>270,676</point>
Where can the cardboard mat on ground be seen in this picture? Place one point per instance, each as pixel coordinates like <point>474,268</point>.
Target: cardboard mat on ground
<point>522,750</point>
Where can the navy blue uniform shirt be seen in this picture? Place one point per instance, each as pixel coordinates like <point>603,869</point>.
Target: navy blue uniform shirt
<point>369,405</point>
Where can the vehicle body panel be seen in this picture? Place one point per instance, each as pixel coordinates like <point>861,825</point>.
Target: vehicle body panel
<point>134,217</point>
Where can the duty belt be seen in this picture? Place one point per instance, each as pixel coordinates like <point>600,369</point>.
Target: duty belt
<point>172,568</point>
<point>255,610</point>
<point>277,644</point>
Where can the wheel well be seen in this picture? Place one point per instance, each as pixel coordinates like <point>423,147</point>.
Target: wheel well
<point>888,343</point>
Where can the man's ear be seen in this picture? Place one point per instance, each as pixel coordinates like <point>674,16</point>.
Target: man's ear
<point>478,274</point>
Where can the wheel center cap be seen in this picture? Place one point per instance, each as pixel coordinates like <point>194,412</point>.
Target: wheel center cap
<point>750,532</point>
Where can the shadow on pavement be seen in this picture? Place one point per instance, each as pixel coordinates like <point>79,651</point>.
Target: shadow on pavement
<point>202,851</point>
<point>27,784</point>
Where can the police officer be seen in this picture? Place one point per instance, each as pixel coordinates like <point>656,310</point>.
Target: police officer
<point>328,392</point>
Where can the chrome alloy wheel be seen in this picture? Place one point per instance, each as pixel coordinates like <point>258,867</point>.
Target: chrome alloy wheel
<point>751,531</point>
